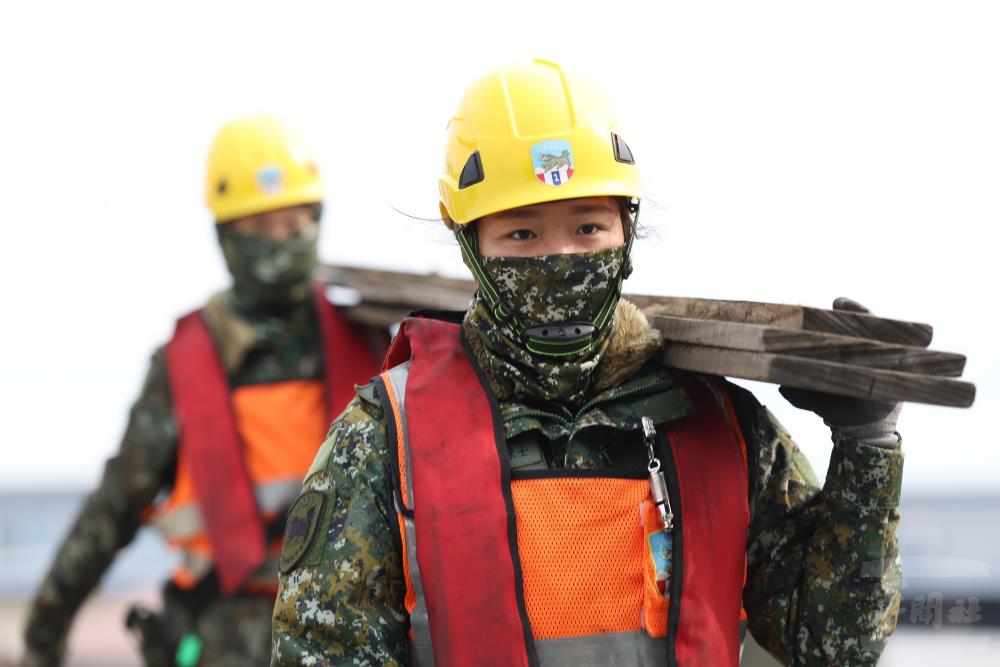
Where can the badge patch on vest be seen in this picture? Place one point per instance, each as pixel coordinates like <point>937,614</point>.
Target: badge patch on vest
<point>303,520</point>
<point>659,547</point>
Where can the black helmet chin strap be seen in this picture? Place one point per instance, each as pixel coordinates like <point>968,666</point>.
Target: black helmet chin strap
<point>557,339</point>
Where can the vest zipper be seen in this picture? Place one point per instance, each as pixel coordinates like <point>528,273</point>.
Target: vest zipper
<point>615,395</point>
<point>537,413</point>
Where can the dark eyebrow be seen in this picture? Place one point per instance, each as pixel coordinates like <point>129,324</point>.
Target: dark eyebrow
<point>592,208</point>
<point>516,213</point>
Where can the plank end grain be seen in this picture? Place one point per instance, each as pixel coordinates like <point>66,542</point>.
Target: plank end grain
<point>810,344</point>
<point>871,383</point>
<point>863,325</point>
<point>818,375</point>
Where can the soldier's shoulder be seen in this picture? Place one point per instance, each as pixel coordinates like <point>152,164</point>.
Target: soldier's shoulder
<point>155,395</point>
<point>367,393</point>
<point>158,360</point>
<point>356,437</point>
<point>745,404</point>
<point>754,417</point>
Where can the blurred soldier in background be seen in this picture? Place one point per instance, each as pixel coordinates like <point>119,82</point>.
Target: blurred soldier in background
<point>229,419</point>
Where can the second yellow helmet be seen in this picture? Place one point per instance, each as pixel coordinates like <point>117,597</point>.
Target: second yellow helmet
<point>256,164</point>
<point>529,133</point>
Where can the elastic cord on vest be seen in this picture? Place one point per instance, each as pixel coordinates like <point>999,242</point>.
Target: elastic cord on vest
<point>581,335</point>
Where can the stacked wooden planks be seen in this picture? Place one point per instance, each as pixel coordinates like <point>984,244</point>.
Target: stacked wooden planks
<point>839,352</point>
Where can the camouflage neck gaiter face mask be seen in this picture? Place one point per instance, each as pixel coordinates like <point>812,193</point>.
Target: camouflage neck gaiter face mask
<point>269,277</point>
<point>546,290</point>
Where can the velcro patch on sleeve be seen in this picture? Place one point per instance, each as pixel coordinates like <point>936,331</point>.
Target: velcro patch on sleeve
<point>303,523</point>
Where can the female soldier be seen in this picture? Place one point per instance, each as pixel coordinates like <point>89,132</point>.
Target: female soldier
<point>528,484</point>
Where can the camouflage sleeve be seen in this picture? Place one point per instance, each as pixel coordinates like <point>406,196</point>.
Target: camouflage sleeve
<point>110,516</point>
<point>823,577</point>
<point>340,597</point>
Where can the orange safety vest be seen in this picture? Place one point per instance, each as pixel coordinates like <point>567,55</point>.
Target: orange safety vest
<point>553,567</point>
<point>242,453</point>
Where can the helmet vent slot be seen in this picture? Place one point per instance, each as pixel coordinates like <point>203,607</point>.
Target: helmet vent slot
<point>472,172</point>
<point>622,152</point>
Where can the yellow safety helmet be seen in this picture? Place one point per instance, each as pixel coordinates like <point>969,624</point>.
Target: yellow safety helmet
<point>529,133</point>
<point>256,164</point>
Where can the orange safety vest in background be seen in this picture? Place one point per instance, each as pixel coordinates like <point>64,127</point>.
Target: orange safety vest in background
<point>553,567</point>
<point>242,454</point>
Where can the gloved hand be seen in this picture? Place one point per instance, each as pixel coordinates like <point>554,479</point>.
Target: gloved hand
<point>874,422</point>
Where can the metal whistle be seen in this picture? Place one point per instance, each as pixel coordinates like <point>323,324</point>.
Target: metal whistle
<point>657,480</point>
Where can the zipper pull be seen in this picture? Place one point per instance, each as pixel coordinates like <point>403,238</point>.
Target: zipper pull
<point>657,480</point>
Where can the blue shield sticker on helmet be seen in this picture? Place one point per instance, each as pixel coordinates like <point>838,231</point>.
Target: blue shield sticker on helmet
<point>553,161</point>
<point>270,180</point>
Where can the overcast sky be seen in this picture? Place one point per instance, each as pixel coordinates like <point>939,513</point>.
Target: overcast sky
<point>796,152</point>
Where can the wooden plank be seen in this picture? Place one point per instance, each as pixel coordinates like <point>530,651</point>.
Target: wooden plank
<point>864,325</point>
<point>410,291</point>
<point>825,376</point>
<point>842,352</point>
<point>786,316</point>
<point>746,312</point>
<point>799,343</point>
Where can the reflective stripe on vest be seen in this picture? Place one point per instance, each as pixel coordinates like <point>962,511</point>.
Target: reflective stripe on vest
<point>394,382</point>
<point>242,455</point>
<point>505,571</point>
<point>186,521</point>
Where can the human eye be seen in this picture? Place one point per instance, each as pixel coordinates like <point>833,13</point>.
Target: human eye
<point>588,229</point>
<point>522,235</point>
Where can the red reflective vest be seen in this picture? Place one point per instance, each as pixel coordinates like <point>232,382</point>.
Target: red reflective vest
<point>553,567</point>
<point>242,454</point>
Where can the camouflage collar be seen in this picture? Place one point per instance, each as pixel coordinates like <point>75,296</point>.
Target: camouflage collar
<point>238,335</point>
<point>629,383</point>
<point>652,392</point>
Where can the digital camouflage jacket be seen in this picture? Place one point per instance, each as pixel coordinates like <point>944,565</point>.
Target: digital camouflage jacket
<point>823,578</point>
<point>253,353</point>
